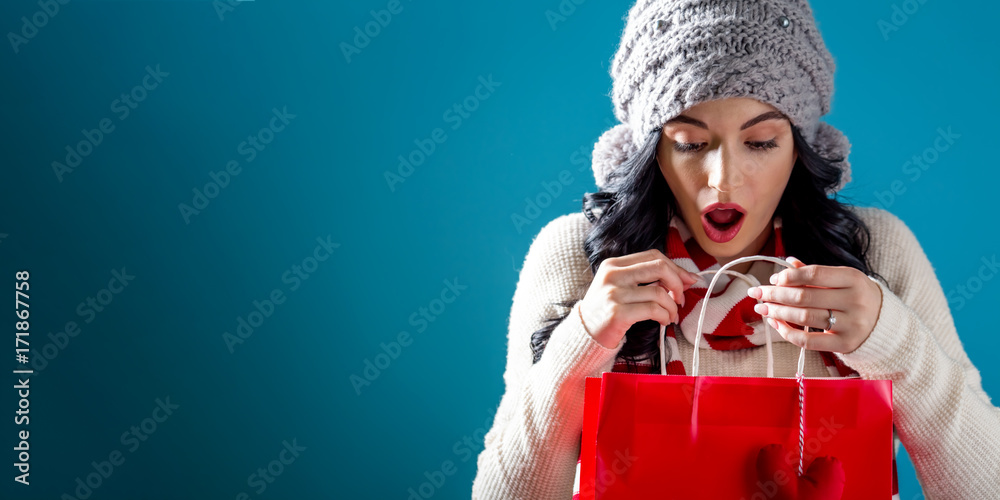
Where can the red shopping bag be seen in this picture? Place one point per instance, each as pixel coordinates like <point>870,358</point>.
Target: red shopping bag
<point>689,437</point>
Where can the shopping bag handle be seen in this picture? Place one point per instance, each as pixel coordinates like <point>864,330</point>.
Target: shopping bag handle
<point>770,358</point>
<point>704,308</point>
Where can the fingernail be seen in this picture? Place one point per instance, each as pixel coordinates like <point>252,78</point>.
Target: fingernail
<point>774,279</point>
<point>773,323</point>
<point>760,309</point>
<point>753,292</point>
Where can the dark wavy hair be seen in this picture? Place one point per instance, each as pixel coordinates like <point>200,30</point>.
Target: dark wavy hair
<point>632,214</point>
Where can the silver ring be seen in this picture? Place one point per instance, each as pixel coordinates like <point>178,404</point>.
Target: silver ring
<point>832,320</point>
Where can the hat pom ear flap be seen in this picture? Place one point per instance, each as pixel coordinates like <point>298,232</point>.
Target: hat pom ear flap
<point>832,144</point>
<point>611,150</point>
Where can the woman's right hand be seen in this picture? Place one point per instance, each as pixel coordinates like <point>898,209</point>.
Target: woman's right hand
<point>620,297</point>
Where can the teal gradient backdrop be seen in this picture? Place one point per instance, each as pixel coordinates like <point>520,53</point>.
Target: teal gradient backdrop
<point>370,253</point>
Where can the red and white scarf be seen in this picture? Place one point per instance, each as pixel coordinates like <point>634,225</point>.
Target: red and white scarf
<point>730,321</point>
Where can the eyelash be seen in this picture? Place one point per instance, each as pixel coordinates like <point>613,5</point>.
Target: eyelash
<point>757,146</point>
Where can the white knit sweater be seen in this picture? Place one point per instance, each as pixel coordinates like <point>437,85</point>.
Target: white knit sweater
<point>941,414</point>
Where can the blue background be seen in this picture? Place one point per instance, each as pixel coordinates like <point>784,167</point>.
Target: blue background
<point>324,176</point>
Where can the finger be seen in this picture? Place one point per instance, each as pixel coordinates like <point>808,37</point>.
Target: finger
<point>641,311</point>
<point>795,262</point>
<point>804,296</point>
<point>814,341</point>
<point>649,255</point>
<point>655,294</point>
<point>815,275</point>
<point>635,258</point>
<point>657,270</point>
<point>803,316</point>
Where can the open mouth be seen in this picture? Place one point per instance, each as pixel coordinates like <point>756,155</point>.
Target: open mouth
<point>722,224</point>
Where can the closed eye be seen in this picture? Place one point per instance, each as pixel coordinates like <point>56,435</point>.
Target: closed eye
<point>688,147</point>
<point>693,147</point>
<point>762,145</point>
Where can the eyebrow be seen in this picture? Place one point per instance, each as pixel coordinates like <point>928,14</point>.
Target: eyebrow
<point>770,115</point>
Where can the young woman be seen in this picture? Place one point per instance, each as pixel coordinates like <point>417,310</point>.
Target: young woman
<point>720,154</point>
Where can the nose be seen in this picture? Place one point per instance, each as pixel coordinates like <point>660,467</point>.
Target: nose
<point>724,173</point>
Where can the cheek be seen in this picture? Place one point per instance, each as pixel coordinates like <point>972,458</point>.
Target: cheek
<point>782,169</point>
<point>771,180</point>
<point>683,179</point>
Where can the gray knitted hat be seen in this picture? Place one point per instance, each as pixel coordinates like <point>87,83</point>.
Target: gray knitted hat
<point>677,53</point>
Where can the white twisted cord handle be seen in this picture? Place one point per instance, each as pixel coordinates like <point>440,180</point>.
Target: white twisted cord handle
<point>802,352</point>
<point>708,294</point>
<point>752,280</point>
<point>802,407</point>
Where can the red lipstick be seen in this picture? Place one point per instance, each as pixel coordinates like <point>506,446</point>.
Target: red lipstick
<point>722,221</point>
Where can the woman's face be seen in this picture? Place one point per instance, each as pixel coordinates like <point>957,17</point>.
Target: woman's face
<point>737,151</point>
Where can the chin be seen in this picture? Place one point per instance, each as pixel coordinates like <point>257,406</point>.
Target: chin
<point>729,250</point>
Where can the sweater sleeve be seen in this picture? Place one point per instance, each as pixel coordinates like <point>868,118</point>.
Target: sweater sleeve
<point>532,448</point>
<point>943,416</point>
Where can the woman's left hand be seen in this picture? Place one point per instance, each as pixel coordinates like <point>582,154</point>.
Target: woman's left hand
<point>805,295</point>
